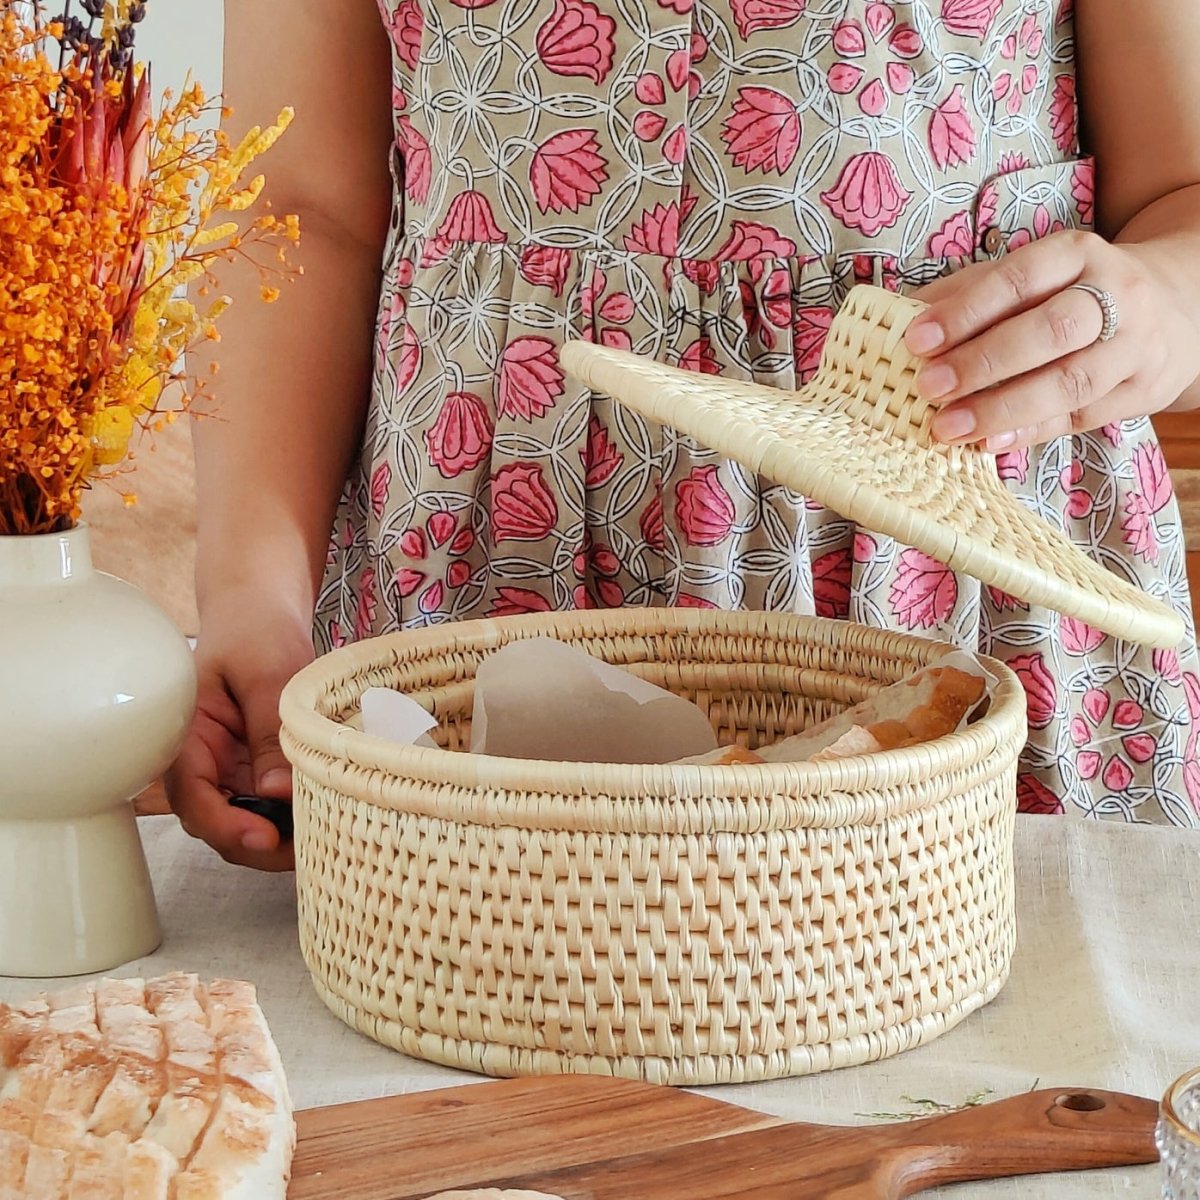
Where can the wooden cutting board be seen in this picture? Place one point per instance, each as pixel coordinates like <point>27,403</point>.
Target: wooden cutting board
<point>591,1138</point>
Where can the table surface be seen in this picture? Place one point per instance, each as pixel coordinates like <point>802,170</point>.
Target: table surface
<point>1103,991</point>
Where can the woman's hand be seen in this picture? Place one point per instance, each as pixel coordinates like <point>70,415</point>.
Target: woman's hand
<point>1014,350</point>
<point>249,647</point>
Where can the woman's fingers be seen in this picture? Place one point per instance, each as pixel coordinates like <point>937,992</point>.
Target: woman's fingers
<point>987,293</point>
<point>1069,321</point>
<point>1062,393</point>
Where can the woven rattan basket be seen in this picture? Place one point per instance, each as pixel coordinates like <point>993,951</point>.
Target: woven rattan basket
<point>683,924</point>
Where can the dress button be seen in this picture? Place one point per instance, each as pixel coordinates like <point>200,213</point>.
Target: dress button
<point>993,239</point>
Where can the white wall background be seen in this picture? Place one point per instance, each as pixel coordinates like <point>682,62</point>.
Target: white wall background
<point>182,35</point>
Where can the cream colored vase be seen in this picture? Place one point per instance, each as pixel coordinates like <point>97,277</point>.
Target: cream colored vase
<point>96,690</point>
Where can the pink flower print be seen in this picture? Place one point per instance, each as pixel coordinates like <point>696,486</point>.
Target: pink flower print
<point>880,19</point>
<point>705,273</point>
<point>831,574</point>
<point>591,292</point>
<point>618,339</point>
<point>408,361</point>
<point>610,593</point>
<point>751,16</point>
<point>530,379</point>
<point>1150,470</point>
<point>699,356</point>
<point>1033,796</point>
<point>1166,664</point>
<point>703,508</point>
<point>457,574</point>
<point>523,507</point>
<point>924,592</point>
<point>657,230</point>
<point>337,639</point>
<point>763,132</point>
<point>430,600</point>
<point>809,331</point>
<point>464,539</point>
<point>843,78</point>
<point>601,458</point>
<point>649,89</point>
<point>577,39</point>
<point>970,18</point>
<point>1013,86</point>
<point>651,525</point>
<point>685,601</point>
<point>1041,690</point>
<point>387,322</point>
<point>1083,190</point>
<point>407,27</point>
<point>1043,226</point>
<point>1064,115</point>
<point>418,165</point>
<point>906,42</point>
<point>440,526</point>
<point>1139,528</point>
<point>412,544</point>
<point>648,126</point>
<point>409,580</point>
<point>850,41</point>
<point>1003,602</point>
<point>1191,689</point>
<point>750,240</point>
<point>1013,161</point>
<point>461,437</point>
<point>1125,719</point>
<point>568,171</point>
<point>381,481</point>
<point>868,195</point>
<point>865,548</point>
<point>469,219</point>
<point>900,78</point>
<point>675,147</point>
<point>515,601</point>
<point>954,239</point>
<point>545,266</point>
<point>618,308</point>
<point>364,613</point>
<point>951,135</point>
<point>777,298</point>
<point>1079,639</point>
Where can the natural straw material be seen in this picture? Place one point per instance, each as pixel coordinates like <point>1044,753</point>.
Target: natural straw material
<point>857,439</point>
<point>683,924</point>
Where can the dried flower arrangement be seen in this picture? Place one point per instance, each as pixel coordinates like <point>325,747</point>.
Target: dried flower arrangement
<point>107,213</point>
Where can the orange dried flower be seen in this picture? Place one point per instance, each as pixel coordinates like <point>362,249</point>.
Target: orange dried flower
<point>106,214</point>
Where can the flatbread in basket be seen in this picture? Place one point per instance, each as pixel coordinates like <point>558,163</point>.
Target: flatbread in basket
<point>857,440</point>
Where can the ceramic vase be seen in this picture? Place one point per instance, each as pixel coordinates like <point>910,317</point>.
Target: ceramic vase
<point>97,688</point>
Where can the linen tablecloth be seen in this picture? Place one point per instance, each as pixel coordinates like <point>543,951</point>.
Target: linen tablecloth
<point>1103,991</point>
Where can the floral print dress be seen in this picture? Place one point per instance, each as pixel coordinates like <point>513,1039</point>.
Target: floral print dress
<point>703,181</point>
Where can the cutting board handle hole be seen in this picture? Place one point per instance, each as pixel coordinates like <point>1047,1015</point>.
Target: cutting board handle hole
<point>1080,1102</point>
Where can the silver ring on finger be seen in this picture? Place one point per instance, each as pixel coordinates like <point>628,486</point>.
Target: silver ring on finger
<point>1108,307</point>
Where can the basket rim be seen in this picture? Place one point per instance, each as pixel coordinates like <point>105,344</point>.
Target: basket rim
<point>540,781</point>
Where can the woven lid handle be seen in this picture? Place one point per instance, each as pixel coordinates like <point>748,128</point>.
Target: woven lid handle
<point>874,369</point>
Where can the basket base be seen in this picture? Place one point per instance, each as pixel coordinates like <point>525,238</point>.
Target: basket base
<point>506,1062</point>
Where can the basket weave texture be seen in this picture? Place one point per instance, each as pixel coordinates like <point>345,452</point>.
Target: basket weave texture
<point>682,924</point>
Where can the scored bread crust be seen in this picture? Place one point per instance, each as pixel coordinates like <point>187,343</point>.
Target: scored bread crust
<point>143,1090</point>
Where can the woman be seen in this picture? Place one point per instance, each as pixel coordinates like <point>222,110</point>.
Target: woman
<point>702,181</point>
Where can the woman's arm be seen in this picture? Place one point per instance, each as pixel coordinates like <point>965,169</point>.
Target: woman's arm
<point>1140,100</point>
<point>1014,356</point>
<point>289,403</point>
<point>295,376</point>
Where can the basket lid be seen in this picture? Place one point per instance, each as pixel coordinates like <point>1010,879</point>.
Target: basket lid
<point>857,440</point>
